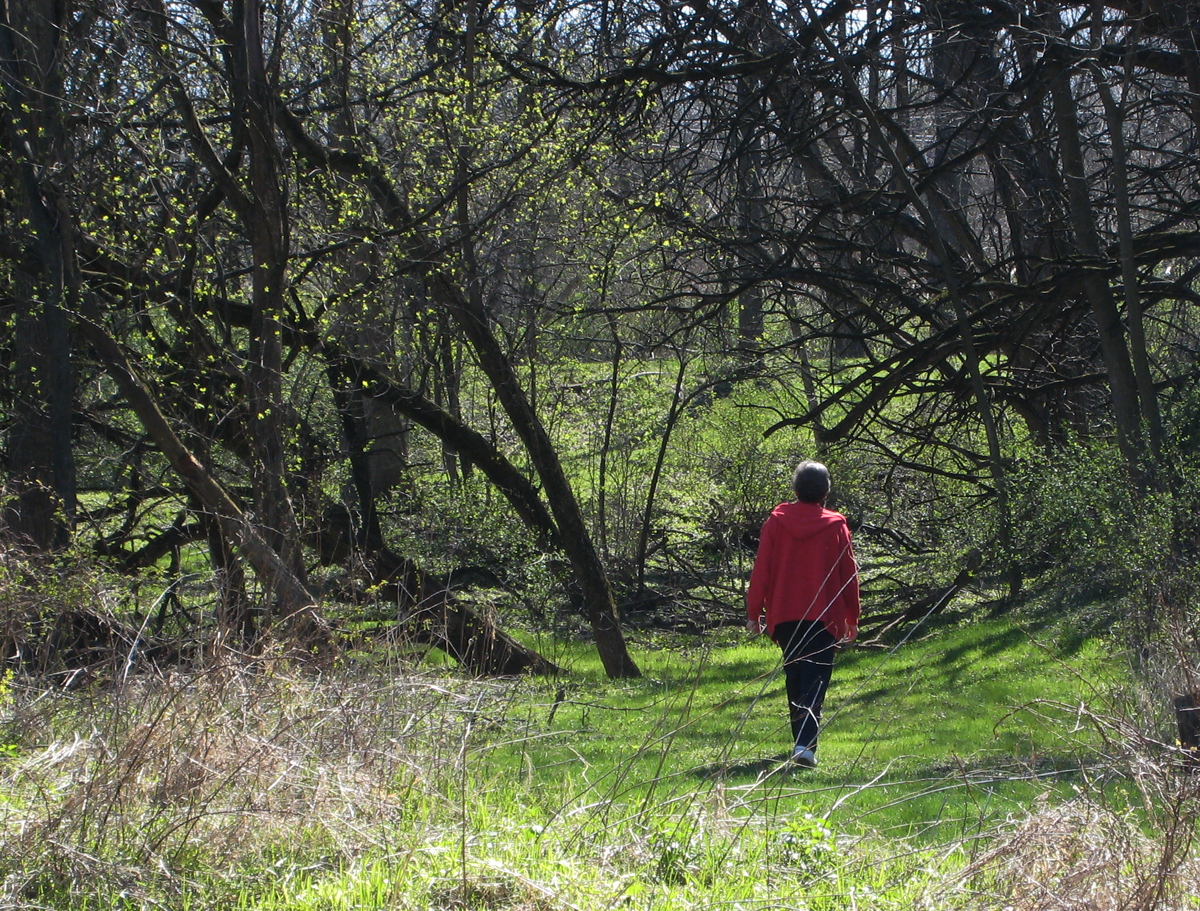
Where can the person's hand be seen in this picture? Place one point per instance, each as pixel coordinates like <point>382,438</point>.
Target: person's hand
<point>754,626</point>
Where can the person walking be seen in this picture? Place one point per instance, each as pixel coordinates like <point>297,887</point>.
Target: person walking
<point>805,581</point>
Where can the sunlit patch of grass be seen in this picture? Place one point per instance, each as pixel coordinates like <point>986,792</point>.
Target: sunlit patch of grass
<point>944,734</point>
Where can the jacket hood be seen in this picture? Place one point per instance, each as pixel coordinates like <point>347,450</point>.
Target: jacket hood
<point>805,520</point>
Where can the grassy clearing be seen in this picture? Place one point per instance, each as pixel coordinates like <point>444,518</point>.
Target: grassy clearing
<point>936,739</point>
<point>377,786</point>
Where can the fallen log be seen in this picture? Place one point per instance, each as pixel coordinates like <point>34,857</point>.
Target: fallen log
<point>429,612</point>
<point>931,604</point>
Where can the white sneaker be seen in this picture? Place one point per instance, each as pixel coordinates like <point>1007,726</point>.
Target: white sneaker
<point>804,757</point>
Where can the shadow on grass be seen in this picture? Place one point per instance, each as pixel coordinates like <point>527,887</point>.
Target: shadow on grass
<point>1051,771</point>
<point>1048,768</point>
<point>755,768</point>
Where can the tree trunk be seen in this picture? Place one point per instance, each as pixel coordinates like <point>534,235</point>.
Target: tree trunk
<point>643,542</point>
<point>473,321</point>
<point>747,153</point>
<point>42,466</point>
<point>354,372</point>
<point>267,222</point>
<point>1139,353</point>
<point>576,541</point>
<point>297,606</point>
<point>932,213</point>
<point>610,417</point>
<point>1122,383</point>
<point>262,208</point>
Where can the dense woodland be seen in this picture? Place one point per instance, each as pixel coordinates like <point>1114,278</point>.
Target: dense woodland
<point>324,312</point>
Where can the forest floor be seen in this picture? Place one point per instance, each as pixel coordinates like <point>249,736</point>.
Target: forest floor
<point>987,763</point>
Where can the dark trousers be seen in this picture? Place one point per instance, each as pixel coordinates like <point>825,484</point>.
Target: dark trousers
<point>808,649</point>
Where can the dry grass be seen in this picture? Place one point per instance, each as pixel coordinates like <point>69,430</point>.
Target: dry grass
<point>1080,856</point>
<point>1125,843</point>
<point>217,770</point>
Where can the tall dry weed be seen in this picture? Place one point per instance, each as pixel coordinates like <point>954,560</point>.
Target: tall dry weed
<point>168,774</point>
<point>1126,842</point>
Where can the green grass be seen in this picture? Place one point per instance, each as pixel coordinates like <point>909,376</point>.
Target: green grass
<point>377,786</point>
<point>940,737</point>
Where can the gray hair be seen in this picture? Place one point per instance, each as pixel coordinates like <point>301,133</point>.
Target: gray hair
<point>811,482</point>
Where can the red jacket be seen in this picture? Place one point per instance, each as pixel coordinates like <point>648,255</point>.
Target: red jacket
<point>805,570</point>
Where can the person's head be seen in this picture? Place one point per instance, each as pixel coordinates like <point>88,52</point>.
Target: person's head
<point>810,481</point>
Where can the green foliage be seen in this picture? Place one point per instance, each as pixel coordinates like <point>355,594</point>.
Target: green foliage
<point>1075,518</point>
<point>734,473</point>
<point>807,844</point>
<point>1088,533</point>
<point>8,748</point>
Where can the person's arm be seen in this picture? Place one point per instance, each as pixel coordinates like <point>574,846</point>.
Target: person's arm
<point>760,580</point>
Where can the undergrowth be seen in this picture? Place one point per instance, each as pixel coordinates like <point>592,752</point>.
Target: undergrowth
<point>265,785</point>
